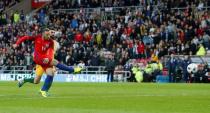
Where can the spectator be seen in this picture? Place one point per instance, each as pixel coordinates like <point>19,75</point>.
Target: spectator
<point>110,66</point>
<point>16,17</point>
<point>201,51</point>
<point>41,17</point>
<point>1,6</point>
<point>185,63</point>
<point>74,22</point>
<point>206,71</point>
<point>7,3</point>
<point>171,64</point>
<point>78,37</point>
<point>22,16</point>
<point>3,19</point>
<point>141,50</point>
<point>206,39</point>
<point>197,78</point>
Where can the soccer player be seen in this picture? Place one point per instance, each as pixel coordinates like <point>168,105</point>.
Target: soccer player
<point>39,71</point>
<point>44,56</point>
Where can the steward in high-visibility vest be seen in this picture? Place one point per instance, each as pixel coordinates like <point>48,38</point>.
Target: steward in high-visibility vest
<point>139,76</point>
<point>16,17</point>
<point>134,69</point>
<point>138,73</point>
<point>148,69</point>
<point>160,66</point>
<point>154,67</point>
<point>201,51</point>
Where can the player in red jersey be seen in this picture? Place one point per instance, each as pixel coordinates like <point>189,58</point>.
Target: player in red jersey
<point>43,48</point>
<point>39,71</point>
<point>44,56</point>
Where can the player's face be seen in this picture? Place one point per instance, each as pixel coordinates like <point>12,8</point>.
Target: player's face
<point>52,34</point>
<point>46,35</point>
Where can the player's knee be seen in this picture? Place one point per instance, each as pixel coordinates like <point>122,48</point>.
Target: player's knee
<point>50,71</point>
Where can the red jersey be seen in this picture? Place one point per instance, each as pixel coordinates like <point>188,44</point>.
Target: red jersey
<point>42,48</point>
<point>140,48</point>
<point>78,37</point>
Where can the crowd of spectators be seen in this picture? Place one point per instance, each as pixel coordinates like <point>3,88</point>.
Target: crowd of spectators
<point>130,34</point>
<point>66,4</point>
<point>7,3</point>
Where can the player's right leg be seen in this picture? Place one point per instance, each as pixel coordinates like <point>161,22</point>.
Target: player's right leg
<point>48,82</point>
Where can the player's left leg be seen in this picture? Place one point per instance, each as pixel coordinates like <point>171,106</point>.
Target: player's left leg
<point>48,82</point>
<point>65,67</point>
<point>53,62</point>
<point>39,71</point>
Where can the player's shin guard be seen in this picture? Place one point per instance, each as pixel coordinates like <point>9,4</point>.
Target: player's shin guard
<point>47,83</point>
<point>65,67</point>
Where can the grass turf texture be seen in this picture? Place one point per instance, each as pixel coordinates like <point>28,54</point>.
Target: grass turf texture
<point>106,98</point>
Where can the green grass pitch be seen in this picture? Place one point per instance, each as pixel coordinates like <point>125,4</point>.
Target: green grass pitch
<point>106,98</point>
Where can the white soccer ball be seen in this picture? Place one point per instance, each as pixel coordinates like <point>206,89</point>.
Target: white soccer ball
<point>192,68</point>
<point>81,65</point>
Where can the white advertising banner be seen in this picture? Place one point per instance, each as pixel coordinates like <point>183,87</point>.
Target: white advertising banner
<point>59,77</point>
<point>13,77</point>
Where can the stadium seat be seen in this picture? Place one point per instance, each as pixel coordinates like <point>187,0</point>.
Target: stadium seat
<point>162,79</point>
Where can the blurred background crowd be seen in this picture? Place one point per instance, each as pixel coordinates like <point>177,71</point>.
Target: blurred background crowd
<point>145,33</point>
<point>5,4</point>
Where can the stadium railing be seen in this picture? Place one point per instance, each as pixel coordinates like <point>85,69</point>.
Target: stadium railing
<point>13,69</point>
<point>101,10</point>
<point>183,8</point>
<point>194,58</point>
<point>117,9</point>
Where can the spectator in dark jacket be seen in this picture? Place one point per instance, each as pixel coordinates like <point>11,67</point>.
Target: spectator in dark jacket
<point>94,61</point>
<point>185,63</point>
<point>110,66</point>
<point>206,70</point>
<point>197,78</point>
<point>172,62</point>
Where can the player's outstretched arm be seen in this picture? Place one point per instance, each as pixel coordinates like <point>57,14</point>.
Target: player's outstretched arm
<point>22,39</point>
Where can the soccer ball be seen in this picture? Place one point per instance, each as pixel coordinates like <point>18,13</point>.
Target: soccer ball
<point>192,68</point>
<point>81,65</point>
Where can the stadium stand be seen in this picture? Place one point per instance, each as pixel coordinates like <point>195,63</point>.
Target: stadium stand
<point>151,29</point>
<point>65,4</point>
<point>7,3</point>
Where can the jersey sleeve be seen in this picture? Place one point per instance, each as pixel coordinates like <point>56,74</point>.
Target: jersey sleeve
<point>24,38</point>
